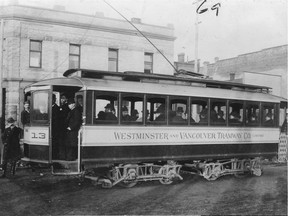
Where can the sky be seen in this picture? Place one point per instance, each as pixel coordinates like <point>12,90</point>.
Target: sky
<point>241,26</point>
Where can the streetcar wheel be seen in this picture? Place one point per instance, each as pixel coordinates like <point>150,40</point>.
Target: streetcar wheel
<point>130,177</point>
<point>128,184</point>
<point>241,175</point>
<point>165,181</point>
<point>164,171</point>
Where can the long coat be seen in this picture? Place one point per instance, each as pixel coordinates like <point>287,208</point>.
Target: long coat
<point>55,120</point>
<point>25,117</point>
<point>11,141</point>
<point>73,121</point>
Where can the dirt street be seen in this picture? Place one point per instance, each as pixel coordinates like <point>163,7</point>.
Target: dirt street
<point>40,193</point>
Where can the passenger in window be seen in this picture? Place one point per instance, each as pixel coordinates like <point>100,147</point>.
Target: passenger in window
<point>204,116</point>
<point>134,115</point>
<point>101,115</point>
<point>109,115</point>
<point>220,117</point>
<point>191,119</point>
<point>161,111</point>
<point>141,118</point>
<point>213,115</point>
<point>234,117</point>
<point>268,119</point>
<point>178,117</point>
<point>125,114</point>
<point>253,118</point>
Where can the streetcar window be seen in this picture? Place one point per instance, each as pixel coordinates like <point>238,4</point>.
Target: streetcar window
<point>218,112</point>
<point>252,113</point>
<point>156,106</point>
<point>106,108</point>
<point>132,108</point>
<point>268,114</point>
<point>178,111</point>
<point>236,113</point>
<point>199,111</point>
<point>39,108</point>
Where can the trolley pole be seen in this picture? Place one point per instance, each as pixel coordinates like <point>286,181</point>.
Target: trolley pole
<point>1,77</point>
<point>196,42</point>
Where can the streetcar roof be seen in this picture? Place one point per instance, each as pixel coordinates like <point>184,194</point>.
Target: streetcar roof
<point>177,86</point>
<point>140,76</point>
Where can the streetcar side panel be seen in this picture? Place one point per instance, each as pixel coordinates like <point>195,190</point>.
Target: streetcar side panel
<point>110,144</point>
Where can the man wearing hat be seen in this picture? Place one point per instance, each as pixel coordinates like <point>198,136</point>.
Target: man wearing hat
<point>109,113</point>
<point>125,114</point>
<point>178,117</point>
<point>134,115</point>
<point>73,123</point>
<point>25,114</point>
<point>161,110</point>
<point>234,117</point>
<point>11,142</point>
<point>63,113</point>
<point>268,119</point>
<point>204,116</point>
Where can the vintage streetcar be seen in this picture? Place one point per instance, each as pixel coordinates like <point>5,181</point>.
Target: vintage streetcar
<point>162,125</point>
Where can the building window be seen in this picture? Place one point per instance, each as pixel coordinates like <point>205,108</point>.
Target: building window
<point>35,54</point>
<point>74,56</point>
<point>148,63</point>
<point>113,60</point>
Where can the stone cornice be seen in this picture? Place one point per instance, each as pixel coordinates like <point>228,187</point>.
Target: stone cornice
<point>74,24</point>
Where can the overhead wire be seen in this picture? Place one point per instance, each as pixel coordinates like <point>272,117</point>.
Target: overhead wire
<point>142,35</point>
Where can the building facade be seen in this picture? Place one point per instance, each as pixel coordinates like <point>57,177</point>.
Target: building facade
<point>42,43</point>
<point>267,67</point>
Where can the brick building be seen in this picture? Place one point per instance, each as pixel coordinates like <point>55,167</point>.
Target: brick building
<point>42,43</point>
<point>266,67</point>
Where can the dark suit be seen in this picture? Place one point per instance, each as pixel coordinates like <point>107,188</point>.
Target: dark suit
<point>64,110</point>
<point>73,121</point>
<point>25,117</point>
<point>12,153</point>
<point>55,131</point>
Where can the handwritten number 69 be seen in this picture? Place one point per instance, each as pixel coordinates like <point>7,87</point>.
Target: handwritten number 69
<point>214,7</point>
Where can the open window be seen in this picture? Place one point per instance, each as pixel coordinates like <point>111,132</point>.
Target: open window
<point>253,113</point>
<point>199,111</point>
<point>132,108</point>
<point>39,109</point>
<point>105,108</point>
<point>218,112</point>
<point>268,115</point>
<point>236,113</point>
<point>157,111</point>
<point>178,111</point>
